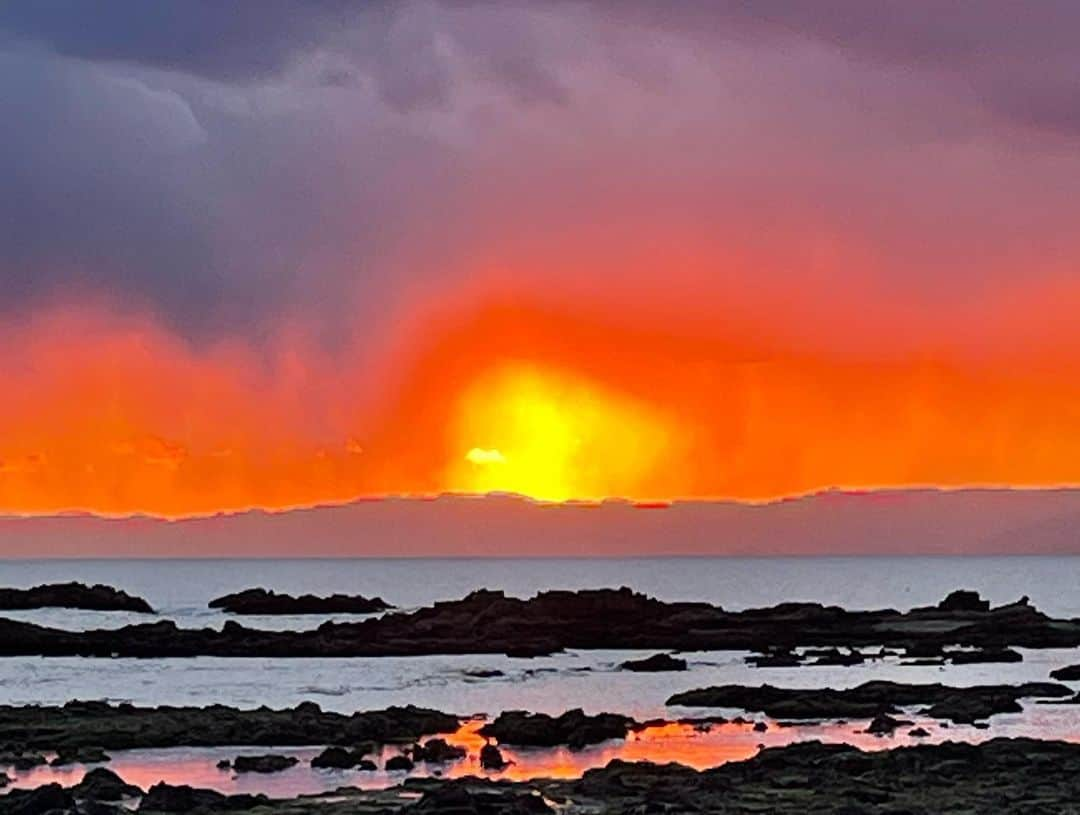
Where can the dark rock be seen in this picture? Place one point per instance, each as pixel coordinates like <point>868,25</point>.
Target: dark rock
<point>341,758</point>
<point>437,751</point>
<point>962,600</point>
<point>125,727</point>
<point>1070,673</point>
<point>573,728</point>
<point>396,763</point>
<point>885,725</point>
<point>79,755</point>
<point>224,764</point>
<point>5,779</point>
<point>491,758</point>
<point>72,595</point>
<point>483,673</point>
<point>261,601</point>
<point>101,784</point>
<point>47,798</point>
<point>961,705</point>
<point>21,759</point>
<point>919,733</point>
<point>985,655</point>
<point>835,657</point>
<point>263,764</point>
<point>491,622</point>
<point>760,727</point>
<point>467,797</point>
<point>656,663</point>
<point>164,797</point>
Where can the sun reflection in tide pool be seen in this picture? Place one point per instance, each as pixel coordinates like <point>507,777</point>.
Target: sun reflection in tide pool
<point>694,745</point>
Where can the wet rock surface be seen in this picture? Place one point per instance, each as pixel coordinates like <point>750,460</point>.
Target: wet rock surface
<point>574,728</point>
<point>490,622</point>
<point>122,727</point>
<point>1011,776</point>
<point>872,699</point>
<point>72,595</point>
<point>263,601</point>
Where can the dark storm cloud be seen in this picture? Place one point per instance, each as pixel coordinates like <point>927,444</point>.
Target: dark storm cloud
<point>238,40</point>
<point>231,164</point>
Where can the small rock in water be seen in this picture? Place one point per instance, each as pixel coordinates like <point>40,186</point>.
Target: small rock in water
<point>263,764</point>
<point>491,758</point>
<point>919,733</point>
<point>654,664</point>
<point>79,755</point>
<point>438,751</point>
<point>395,763</point>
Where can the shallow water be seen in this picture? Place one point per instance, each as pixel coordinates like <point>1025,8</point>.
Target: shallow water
<point>586,679</point>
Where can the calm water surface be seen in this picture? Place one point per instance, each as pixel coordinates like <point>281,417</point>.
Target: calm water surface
<point>180,590</point>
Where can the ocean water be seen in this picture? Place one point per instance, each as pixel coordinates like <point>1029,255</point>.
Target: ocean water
<point>180,590</point>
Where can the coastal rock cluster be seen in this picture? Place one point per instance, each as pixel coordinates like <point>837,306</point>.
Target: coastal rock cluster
<point>491,622</point>
<point>72,595</point>
<point>262,601</point>
<point>1009,776</point>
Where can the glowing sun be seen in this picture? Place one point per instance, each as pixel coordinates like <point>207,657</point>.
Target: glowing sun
<point>553,436</point>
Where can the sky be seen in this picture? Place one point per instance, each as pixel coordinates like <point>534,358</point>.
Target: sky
<point>270,254</point>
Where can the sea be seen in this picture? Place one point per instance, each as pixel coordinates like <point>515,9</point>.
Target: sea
<point>180,590</point>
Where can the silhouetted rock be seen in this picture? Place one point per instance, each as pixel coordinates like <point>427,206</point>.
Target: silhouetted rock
<point>101,784</point>
<point>962,600</point>
<point>985,655</point>
<point>469,797</point>
<point>919,733</point>
<point>72,595</point>
<point>437,751</point>
<point>48,798</point>
<point>884,725</point>
<point>399,763</point>
<point>654,664</point>
<point>491,622</point>
<point>124,727</point>
<point>871,699</point>
<point>341,758</point>
<point>573,728</point>
<point>1070,673</point>
<point>263,764</point>
<point>262,601</point>
<point>491,757</point>
<point>79,755</point>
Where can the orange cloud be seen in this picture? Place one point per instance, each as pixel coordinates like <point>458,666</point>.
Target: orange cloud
<point>116,415</point>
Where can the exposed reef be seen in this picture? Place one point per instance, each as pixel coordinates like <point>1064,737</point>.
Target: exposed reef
<point>100,725</point>
<point>1010,776</point>
<point>491,622</point>
<point>72,595</point>
<point>262,601</point>
<point>873,699</point>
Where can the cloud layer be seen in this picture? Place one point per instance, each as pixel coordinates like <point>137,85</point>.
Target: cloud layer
<point>780,225</point>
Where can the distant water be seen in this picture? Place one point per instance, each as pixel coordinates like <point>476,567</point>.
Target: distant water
<point>180,590</point>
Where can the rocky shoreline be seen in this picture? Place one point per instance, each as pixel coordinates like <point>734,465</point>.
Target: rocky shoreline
<point>74,596</point>
<point>489,622</point>
<point>1000,776</point>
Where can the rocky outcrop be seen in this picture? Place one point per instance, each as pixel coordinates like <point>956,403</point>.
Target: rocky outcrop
<point>399,764</point>
<point>101,784</point>
<point>271,763</point>
<point>963,600</point>
<point>169,798</point>
<point>654,664</point>
<point>574,728</point>
<point>438,751</point>
<point>491,758</point>
<point>262,601</point>
<point>491,622</point>
<point>125,727</point>
<point>69,754</point>
<point>340,758</point>
<point>72,595</point>
<point>1070,673</point>
<point>872,699</point>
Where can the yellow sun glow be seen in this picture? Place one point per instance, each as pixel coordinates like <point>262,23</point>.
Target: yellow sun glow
<point>554,437</point>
